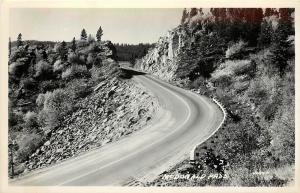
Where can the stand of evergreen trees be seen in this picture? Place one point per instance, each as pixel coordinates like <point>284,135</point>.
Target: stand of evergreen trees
<point>129,52</point>
<point>256,27</point>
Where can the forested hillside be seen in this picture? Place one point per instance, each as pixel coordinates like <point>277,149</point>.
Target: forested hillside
<point>130,52</point>
<point>245,58</point>
<point>68,97</point>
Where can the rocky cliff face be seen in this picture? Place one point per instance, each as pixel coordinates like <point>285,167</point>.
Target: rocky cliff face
<point>162,60</point>
<point>159,60</point>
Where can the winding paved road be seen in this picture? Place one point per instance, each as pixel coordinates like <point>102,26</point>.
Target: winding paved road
<point>184,120</point>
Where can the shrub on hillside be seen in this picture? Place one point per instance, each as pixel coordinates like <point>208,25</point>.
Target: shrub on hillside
<point>270,107</point>
<point>240,86</point>
<point>15,118</point>
<point>28,84</point>
<point>28,143</point>
<point>79,88</point>
<point>82,43</point>
<point>76,59</point>
<point>19,53</point>
<point>232,68</point>
<point>90,60</point>
<point>75,71</point>
<point>57,104</point>
<point>198,83</point>
<point>16,68</point>
<point>244,67</point>
<point>257,92</point>
<point>31,122</point>
<point>58,66</point>
<point>48,85</point>
<point>40,99</point>
<point>236,49</point>
<point>221,78</point>
<point>43,70</point>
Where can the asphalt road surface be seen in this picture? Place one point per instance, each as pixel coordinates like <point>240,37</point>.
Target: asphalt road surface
<point>184,120</point>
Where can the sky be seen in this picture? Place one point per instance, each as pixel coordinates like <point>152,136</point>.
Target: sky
<point>132,26</point>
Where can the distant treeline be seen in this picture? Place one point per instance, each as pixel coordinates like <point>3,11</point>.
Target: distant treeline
<point>129,52</point>
<point>35,42</point>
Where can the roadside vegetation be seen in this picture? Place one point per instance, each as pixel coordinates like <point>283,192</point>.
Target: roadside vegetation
<point>246,59</point>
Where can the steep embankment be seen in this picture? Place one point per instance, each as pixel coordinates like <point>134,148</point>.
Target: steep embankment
<point>115,109</point>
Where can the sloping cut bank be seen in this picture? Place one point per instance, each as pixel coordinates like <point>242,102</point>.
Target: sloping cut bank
<point>116,109</point>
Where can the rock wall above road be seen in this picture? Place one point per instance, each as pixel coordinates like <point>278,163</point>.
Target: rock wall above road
<point>164,60</point>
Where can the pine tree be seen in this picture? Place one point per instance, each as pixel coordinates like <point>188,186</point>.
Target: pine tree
<point>265,36</point>
<point>63,51</point>
<point>73,46</point>
<point>19,40</point>
<point>280,46</point>
<point>99,34</point>
<point>83,35</point>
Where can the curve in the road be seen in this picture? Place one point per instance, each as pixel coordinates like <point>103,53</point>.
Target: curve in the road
<point>184,120</point>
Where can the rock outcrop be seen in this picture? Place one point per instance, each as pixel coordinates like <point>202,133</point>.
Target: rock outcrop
<point>159,60</point>
<point>163,60</point>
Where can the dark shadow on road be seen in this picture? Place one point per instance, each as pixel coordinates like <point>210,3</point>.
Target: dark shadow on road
<point>129,73</point>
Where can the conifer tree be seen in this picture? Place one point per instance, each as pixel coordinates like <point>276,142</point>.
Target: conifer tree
<point>63,51</point>
<point>83,35</point>
<point>73,46</point>
<point>265,36</point>
<point>280,46</point>
<point>99,34</point>
<point>19,40</point>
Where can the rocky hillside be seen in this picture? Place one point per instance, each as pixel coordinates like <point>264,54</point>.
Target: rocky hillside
<point>114,110</point>
<point>198,45</point>
<point>246,59</point>
<point>67,98</point>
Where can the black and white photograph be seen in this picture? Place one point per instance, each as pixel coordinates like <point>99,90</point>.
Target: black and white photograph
<point>150,97</point>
